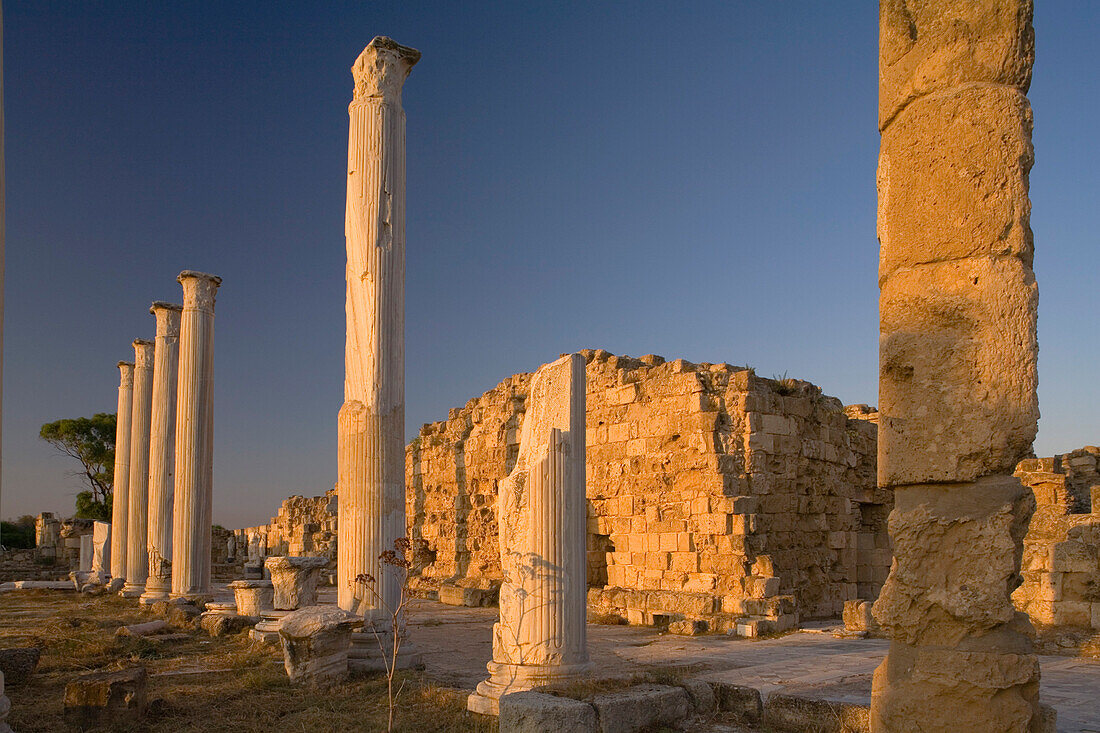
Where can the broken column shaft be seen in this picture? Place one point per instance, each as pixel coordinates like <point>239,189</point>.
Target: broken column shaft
<point>957,365</point>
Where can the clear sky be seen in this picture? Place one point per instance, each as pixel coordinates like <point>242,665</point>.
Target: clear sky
<point>694,180</point>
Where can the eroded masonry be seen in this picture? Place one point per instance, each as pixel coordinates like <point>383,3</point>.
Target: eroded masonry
<point>713,494</point>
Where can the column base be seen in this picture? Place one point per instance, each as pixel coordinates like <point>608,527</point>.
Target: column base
<point>132,590</point>
<point>116,585</point>
<point>149,597</point>
<point>508,678</point>
<point>198,597</point>
<point>267,630</point>
<point>370,653</point>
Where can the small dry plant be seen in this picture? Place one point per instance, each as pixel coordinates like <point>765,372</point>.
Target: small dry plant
<point>405,555</point>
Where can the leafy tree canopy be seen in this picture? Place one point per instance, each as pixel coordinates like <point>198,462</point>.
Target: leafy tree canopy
<point>91,441</point>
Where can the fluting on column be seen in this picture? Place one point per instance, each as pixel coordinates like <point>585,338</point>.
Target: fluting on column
<point>158,586</point>
<point>957,364</point>
<point>194,449</point>
<point>541,636</point>
<point>120,507</point>
<point>372,420</point>
<point>137,558</point>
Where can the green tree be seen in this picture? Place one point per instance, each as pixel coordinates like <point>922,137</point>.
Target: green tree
<point>18,534</point>
<point>91,441</point>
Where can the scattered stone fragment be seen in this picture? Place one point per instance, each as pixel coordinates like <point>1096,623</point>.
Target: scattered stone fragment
<point>221,625</point>
<point>100,699</point>
<point>295,580</point>
<point>253,597</point>
<point>146,629</point>
<point>537,712</point>
<point>315,644</point>
<point>18,664</point>
<point>183,616</point>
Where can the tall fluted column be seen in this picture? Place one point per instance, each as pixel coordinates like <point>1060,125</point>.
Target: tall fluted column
<point>957,371</point>
<point>541,636</point>
<point>137,558</point>
<point>161,452</point>
<point>372,420</point>
<point>194,455</point>
<point>120,507</point>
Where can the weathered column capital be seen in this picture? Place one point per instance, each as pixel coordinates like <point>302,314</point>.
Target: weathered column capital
<point>168,318</point>
<point>126,371</point>
<point>143,354</point>
<point>381,70</point>
<point>199,289</point>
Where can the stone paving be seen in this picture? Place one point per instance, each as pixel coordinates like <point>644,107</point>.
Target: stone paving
<point>456,643</point>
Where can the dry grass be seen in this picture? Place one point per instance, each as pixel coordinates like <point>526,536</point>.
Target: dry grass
<point>227,683</point>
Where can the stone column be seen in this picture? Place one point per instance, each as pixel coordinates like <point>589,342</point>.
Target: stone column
<point>194,454</point>
<point>120,507</point>
<point>957,371</point>
<point>137,558</point>
<point>371,431</point>
<point>161,452</point>
<point>541,636</point>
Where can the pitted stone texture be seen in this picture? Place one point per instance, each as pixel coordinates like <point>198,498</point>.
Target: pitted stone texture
<point>928,45</point>
<point>253,597</point>
<point>949,689</point>
<point>694,472</point>
<point>957,372</point>
<point>106,698</point>
<point>538,712</point>
<point>18,664</point>
<point>953,177</point>
<point>936,594</point>
<point>294,580</point>
<point>315,644</point>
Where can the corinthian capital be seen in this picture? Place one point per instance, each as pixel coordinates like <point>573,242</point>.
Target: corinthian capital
<point>381,70</point>
<point>126,373</point>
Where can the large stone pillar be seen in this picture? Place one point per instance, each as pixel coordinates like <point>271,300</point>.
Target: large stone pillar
<point>120,507</point>
<point>137,558</point>
<point>541,636</point>
<point>194,454</point>
<point>957,379</point>
<point>162,428</point>
<point>371,431</point>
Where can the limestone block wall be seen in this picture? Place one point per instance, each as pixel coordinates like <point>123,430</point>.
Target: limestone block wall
<point>711,491</point>
<point>304,526</point>
<point>1061,560</point>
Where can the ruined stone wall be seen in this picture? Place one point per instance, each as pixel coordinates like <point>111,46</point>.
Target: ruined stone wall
<point>304,526</point>
<point>712,492</point>
<point>1061,560</point>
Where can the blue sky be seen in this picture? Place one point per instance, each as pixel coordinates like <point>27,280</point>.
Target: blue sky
<point>694,180</point>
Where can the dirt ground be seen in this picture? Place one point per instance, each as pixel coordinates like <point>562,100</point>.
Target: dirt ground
<point>199,683</point>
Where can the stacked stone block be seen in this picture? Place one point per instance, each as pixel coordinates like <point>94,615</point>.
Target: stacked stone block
<point>303,526</point>
<point>957,366</point>
<point>1061,559</point>
<point>699,476</point>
